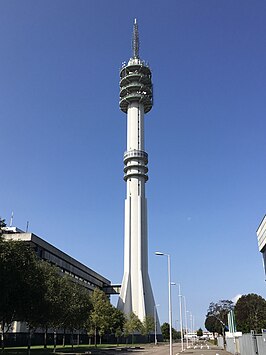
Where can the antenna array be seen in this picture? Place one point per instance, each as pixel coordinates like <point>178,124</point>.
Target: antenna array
<point>135,40</point>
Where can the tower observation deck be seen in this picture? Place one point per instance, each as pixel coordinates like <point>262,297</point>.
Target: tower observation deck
<point>136,99</point>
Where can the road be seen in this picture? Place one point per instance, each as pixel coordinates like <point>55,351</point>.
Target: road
<point>195,350</point>
<point>161,349</point>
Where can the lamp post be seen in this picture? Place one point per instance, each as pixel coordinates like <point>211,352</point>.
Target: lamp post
<point>155,324</point>
<point>193,322</point>
<point>181,320</point>
<point>188,317</point>
<point>180,313</point>
<point>191,327</point>
<point>185,305</point>
<point>169,298</point>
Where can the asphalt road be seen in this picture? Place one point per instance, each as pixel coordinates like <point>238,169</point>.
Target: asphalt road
<point>196,350</point>
<point>150,349</point>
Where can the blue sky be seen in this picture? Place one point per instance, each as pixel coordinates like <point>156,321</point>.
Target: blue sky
<point>63,136</point>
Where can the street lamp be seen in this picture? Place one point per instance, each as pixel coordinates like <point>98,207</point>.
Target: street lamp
<point>193,322</point>
<point>180,312</point>
<point>158,253</point>
<point>155,324</point>
<point>191,327</point>
<point>185,305</point>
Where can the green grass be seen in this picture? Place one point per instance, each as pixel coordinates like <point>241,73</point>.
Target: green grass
<point>39,349</point>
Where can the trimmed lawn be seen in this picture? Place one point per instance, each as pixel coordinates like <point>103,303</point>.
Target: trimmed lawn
<point>39,350</point>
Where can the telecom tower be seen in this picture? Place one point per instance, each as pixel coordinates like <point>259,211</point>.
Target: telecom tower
<point>136,99</point>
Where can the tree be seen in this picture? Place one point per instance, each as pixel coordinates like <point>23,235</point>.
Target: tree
<point>32,298</point>
<point>56,299</point>
<point>212,324</point>
<point>103,317</point>
<point>132,325</point>
<point>66,303</point>
<point>250,313</point>
<point>216,317</point>
<point>2,224</point>
<point>76,305</point>
<point>118,334</point>
<point>117,321</point>
<point>21,285</point>
<point>148,326</point>
<point>166,334</point>
<point>199,332</point>
<point>176,334</point>
<point>100,316</point>
<point>90,333</point>
<point>80,308</point>
<point>165,331</point>
<point>33,291</point>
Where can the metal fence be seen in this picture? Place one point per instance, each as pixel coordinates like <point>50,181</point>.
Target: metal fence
<point>233,346</point>
<point>220,342</point>
<point>247,344</point>
<point>261,343</point>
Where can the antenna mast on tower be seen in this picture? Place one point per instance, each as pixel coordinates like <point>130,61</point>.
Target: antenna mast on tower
<point>135,40</point>
<point>11,219</point>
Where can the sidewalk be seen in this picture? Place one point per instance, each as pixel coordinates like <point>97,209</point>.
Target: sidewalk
<point>149,349</point>
<point>196,350</point>
<point>211,350</point>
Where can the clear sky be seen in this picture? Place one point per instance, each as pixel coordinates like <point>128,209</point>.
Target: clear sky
<point>63,136</point>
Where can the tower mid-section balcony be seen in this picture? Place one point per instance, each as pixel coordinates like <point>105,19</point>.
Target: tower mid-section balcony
<point>136,154</point>
<point>135,164</point>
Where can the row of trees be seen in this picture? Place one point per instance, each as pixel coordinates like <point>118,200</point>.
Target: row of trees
<point>32,291</point>
<point>250,314</point>
<point>106,319</point>
<point>35,292</point>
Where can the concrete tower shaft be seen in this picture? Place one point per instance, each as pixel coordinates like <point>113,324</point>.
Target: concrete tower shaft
<point>136,99</point>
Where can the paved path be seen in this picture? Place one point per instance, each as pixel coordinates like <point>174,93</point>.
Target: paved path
<point>195,350</point>
<point>161,349</point>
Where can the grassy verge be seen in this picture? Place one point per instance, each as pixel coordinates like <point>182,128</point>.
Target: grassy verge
<point>39,350</point>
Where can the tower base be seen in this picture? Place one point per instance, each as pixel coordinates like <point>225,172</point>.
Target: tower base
<point>143,306</point>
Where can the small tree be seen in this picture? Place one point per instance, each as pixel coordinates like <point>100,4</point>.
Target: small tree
<point>165,331</point>
<point>90,333</point>
<point>148,326</point>
<point>199,332</point>
<point>118,334</point>
<point>117,321</point>
<point>176,334</point>
<point>33,300</point>
<point>78,307</point>
<point>132,325</point>
<point>53,306</point>
<point>101,334</point>
<point>100,316</point>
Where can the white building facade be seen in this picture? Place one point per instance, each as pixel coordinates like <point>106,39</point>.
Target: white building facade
<point>261,234</point>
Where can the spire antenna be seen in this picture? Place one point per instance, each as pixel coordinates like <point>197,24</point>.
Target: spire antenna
<point>135,40</point>
<point>11,219</point>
